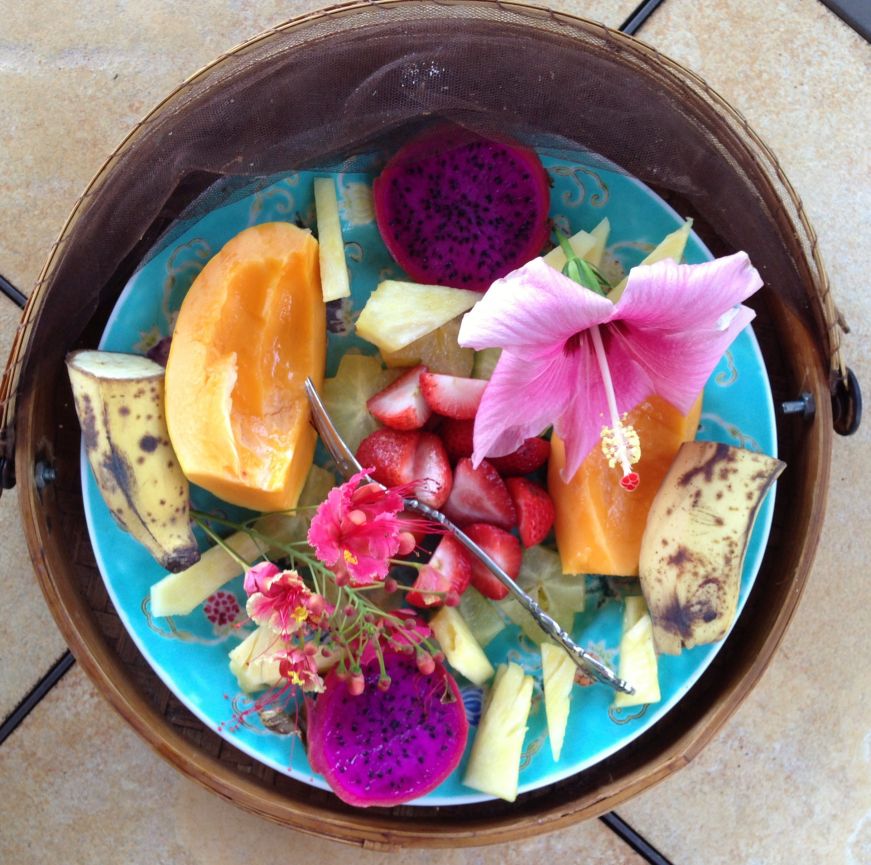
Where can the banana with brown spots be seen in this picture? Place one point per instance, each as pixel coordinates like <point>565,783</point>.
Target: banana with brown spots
<point>695,541</point>
<point>119,401</point>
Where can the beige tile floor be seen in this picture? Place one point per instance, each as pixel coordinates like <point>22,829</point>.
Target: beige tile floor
<point>787,780</point>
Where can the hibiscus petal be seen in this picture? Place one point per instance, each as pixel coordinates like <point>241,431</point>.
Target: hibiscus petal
<point>533,309</point>
<point>681,297</point>
<point>679,364</point>
<point>522,400</point>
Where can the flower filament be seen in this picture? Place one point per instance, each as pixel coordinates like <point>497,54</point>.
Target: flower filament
<point>620,442</point>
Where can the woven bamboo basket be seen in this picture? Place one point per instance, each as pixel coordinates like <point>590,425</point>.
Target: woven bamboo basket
<point>315,90</point>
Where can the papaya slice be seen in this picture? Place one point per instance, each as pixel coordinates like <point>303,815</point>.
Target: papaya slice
<point>598,524</point>
<point>249,332</point>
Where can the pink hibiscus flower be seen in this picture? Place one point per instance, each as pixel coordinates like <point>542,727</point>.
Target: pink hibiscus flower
<point>357,529</point>
<point>578,362</point>
<point>280,600</point>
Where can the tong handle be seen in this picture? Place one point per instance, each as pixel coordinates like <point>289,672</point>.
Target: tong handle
<point>586,661</point>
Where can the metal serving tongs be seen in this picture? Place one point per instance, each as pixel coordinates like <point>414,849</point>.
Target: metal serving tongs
<point>347,464</point>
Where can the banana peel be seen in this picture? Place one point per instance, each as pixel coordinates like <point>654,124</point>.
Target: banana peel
<point>695,541</point>
<point>119,401</point>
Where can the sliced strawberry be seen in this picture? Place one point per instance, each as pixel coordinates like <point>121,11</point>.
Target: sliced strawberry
<point>401,405</point>
<point>449,570</point>
<point>503,548</point>
<point>452,395</point>
<point>531,455</point>
<point>390,454</point>
<point>457,436</point>
<point>432,471</point>
<point>479,496</point>
<point>535,511</point>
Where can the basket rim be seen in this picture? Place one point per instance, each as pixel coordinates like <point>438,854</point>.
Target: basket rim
<point>106,671</point>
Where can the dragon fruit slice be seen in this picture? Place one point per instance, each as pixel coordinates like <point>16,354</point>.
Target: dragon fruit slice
<point>388,747</point>
<point>455,208</point>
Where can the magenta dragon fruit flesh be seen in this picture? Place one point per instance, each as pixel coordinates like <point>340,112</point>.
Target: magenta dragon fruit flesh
<point>455,208</point>
<point>385,747</point>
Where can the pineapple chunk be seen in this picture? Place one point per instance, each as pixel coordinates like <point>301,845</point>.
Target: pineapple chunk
<point>485,362</point>
<point>560,595</point>
<point>462,650</point>
<point>253,661</point>
<point>398,313</point>
<point>358,377</point>
<point>181,593</point>
<point>494,764</point>
<point>438,351</point>
<point>671,246</point>
<point>558,675</point>
<point>335,282</point>
<point>638,664</point>
<point>588,245</point>
<point>600,233</point>
<point>480,615</point>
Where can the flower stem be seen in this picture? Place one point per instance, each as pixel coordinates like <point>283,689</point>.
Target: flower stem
<point>220,542</point>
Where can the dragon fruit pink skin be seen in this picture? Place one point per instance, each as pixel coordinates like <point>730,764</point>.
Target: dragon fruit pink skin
<point>458,209</point>
<point>388,747</point>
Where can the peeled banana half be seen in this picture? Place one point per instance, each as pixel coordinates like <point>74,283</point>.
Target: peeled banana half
<point>119,401</point>
<point>695,541</point>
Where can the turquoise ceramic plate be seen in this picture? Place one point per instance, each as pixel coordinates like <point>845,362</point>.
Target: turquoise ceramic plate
<point>190,653</point>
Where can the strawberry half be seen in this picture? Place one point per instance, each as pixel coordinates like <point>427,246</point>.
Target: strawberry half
<point>452,395</point>
<point>457,437</point>
<point>531,455</point>
<point>401,405</point>
<point>503,548</point>
<point>479,496</point>
<point>390,454</point>
<point>449,570</point>
<point>432,471</point>
<point>535,510</point>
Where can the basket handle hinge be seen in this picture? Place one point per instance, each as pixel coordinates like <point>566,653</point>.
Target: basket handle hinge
<point>847,404</point>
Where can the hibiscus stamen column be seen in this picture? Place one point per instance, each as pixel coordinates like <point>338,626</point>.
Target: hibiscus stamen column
<point>620,441</point>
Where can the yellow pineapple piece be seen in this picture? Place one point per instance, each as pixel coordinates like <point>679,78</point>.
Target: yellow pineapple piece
<point>335,282</point>
<point>181,593</point>
<point>463,651</point>
<point>671,246</point>
<point>438,351</point>
<point>638,664</point>
<point>253,661</point>
<point>494,764</point>
<point>558,675</point>
<point>588,245</point>
<point>358,377</point>
<point>398,313</point>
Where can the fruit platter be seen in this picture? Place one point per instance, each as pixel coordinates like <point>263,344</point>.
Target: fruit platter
<point>537,346</point>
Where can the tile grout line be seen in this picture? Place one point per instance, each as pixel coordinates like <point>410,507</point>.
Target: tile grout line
<point>633,839</point>
<point>638,16</point>
<point>12,292</point>
<point>33,699</point>
<point>853,14</point>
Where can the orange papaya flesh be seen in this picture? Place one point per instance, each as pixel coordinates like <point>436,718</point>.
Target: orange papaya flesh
<point>249,332</point>
<point>598,524</point>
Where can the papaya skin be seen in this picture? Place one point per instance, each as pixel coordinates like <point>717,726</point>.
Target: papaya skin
<point>249,332</point>
<point>598,524</point>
